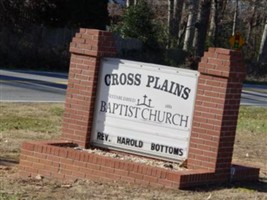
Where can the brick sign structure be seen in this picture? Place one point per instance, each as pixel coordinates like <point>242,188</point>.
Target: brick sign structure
<point>209,160</point>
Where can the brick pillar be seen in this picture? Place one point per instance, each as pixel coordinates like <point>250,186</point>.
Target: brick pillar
<point>87,48</point>
<point>216,111</point>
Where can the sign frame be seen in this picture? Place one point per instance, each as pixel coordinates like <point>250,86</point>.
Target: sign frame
<point>136,145</point>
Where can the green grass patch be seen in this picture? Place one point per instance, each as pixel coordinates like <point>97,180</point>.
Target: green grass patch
<point>57,111</point>
<point>12,122</point>
<point>252,119</point>
<point>4,196</point>
<point>30,117</point>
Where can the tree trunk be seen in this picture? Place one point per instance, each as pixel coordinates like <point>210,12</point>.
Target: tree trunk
<point>263,47</point>
<point>219,9</point>
<point>250,22</point>
<point>175,9</point>
<point>212,27</point>
<point>202,27</point>
<point>190,27</point>
<point>196,27</point>
<point>235,18</point>
<point>130,3</point>
<point>170,21</point>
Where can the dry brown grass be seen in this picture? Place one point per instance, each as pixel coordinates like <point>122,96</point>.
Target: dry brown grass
<point>20,122</point>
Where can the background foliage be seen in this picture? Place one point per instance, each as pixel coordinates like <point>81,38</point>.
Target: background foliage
<point>36,34</point>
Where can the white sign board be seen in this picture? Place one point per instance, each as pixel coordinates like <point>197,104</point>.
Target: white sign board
<point>145,109</point>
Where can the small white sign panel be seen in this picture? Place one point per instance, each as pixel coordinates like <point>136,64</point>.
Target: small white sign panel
<point>145,109</point>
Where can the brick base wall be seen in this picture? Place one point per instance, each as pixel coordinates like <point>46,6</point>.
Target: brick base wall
<point>56,160</point>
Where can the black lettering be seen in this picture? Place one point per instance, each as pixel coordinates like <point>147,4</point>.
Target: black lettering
<point>181,152</point>
<point>186,93</point>
<point>106,137</point>
<point>157,147</point>
<point>153,116</point>
<point>130,112</point>
<point>136,111</point>
<point>103,106</point>
<point>115,107</point>
<point>137,79</point>
<point>123,79</point>
<point>173,119</point>
<point>176,151</point>
<point>185,120</point>
<point>168,118</point>
<point>130,79</point>
<point>157,85</point>
<point>150,80</point>
<point>172,84</point>
<point>115,79</point>
<point>178,90</point>
<point>161,116</point>
<point>102,136</point>
<point>130,142</point>
<point>127,142</point>
<point>109,108</point>
<point>140,144</point>
<point>119,140</point>
<point>166,149</point>
<point>142,113</point>
<point>170,150</point>
<point>165,86</point>
<point>107,79</point>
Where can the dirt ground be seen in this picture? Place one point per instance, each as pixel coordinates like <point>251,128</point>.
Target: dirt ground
<point>250,148</point>
<point>13,187</point>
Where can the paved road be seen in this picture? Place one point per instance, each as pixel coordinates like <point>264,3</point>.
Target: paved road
<point>254,95</point>
<point>32,86</point>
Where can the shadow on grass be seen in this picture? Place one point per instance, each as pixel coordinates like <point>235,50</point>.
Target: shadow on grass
<point>259,186</point>
<point>8,162</point>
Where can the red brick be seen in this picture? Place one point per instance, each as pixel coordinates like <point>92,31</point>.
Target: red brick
<point>135,175</point>
<point>150,179</point>
<point>25,163</point>
<point>45,162</point>
<point>113,176</point>
<point>107,169</point>
<point>93,166</point>
<point>31,169</point>
<point>28,146</point>
<point>121,172</point>
<point>173,177</point>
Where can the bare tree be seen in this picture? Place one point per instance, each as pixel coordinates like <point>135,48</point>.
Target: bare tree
<point>251,20</point>
<point>219,10</point>
<point>263,46</point>
<point>235,17</point>
<point>175,9</point>
<point>211,30</point>
<point>190,26</point>
<point>131,3</point>
<point>202,26</point>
